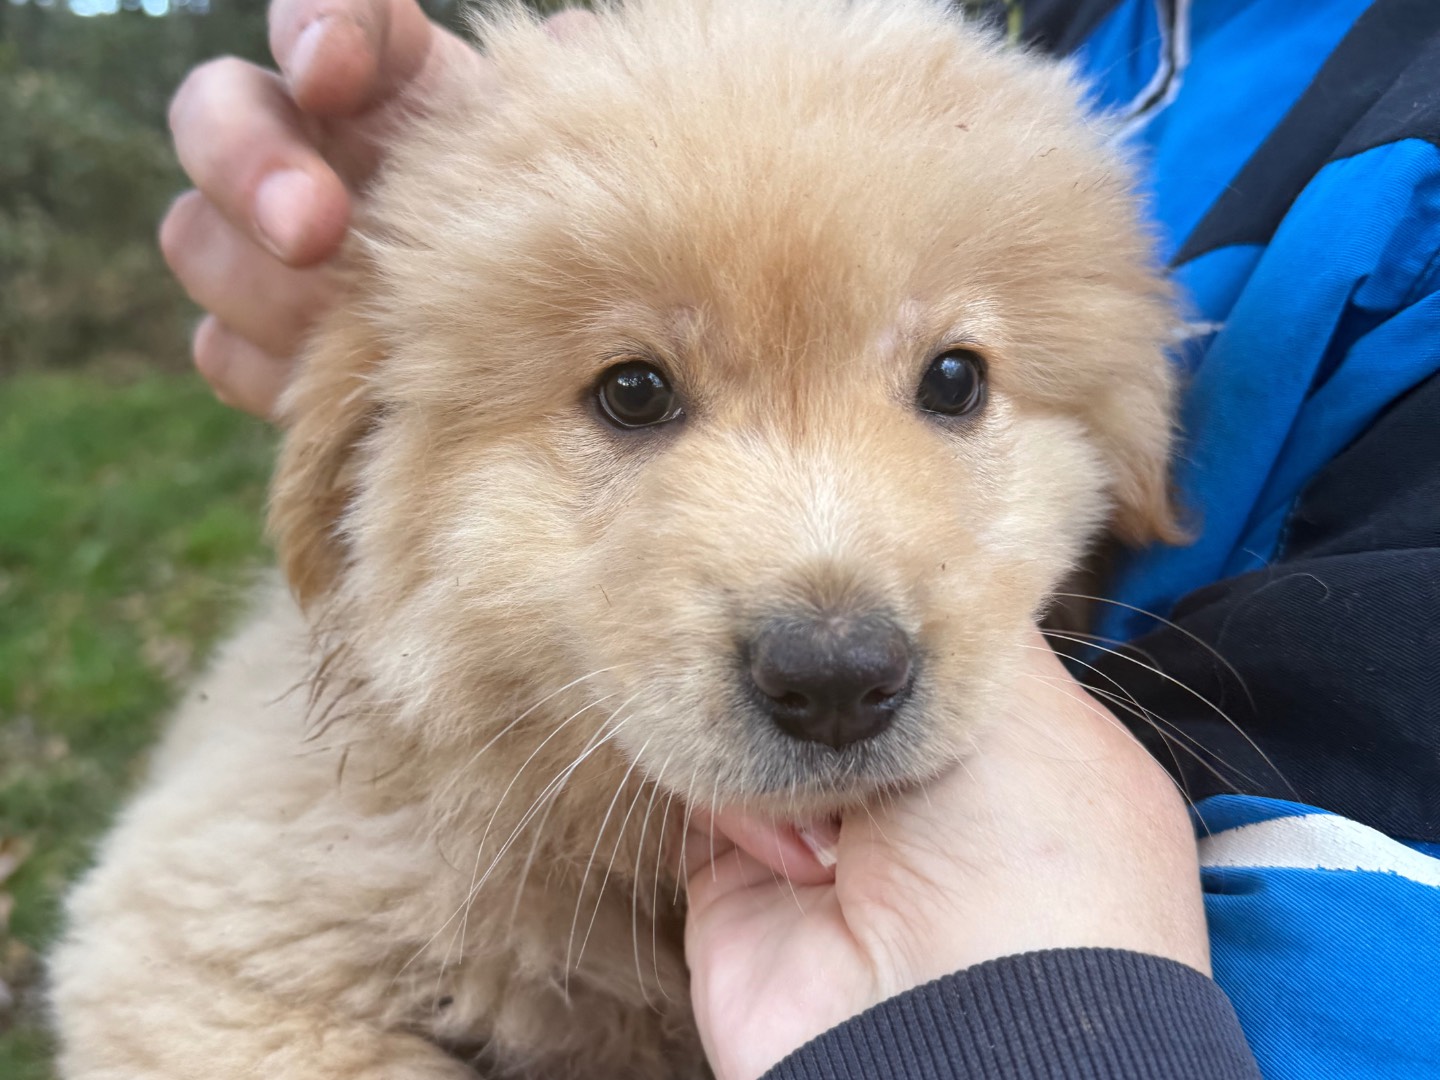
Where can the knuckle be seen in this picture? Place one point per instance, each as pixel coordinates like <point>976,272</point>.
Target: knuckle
<point>210,369</point>
<point>202,340</point>
<point>309,302</point>
<point>211,357</point>
<point>177,229</point>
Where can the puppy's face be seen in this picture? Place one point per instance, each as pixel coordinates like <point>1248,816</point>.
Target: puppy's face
<point>744,377</point>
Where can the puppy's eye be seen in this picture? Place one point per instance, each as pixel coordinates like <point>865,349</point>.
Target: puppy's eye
<point>953,384</point>
<point>635,394</point>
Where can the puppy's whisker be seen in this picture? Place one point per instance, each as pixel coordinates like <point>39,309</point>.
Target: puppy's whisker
<point>1170,733</point>
<point>1104,714</point>
<point>1082,698</point>
<point>1075,756</point>
<point>1093,637</point>
<point>785,871</point>
<point>866,807</point>
<point>477,882</point>
<point>614,852</point>
<point>655,893</point>
<point>553,789</point>
<point>585,877</point>
<point>484,836</point>
<point>547,798</point>
<point>1173,740</point>
<point>1199,697</point>
<point>635,901</point>
<point>1193,638</point>
<point>681,877</point>
<point>529,863</point>
<point>639,874</point>
<point>714,806</point>
<point>461,772</point>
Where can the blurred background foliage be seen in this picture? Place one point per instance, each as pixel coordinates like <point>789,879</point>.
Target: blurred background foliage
<point>130,502</point>
<point>86,171</point>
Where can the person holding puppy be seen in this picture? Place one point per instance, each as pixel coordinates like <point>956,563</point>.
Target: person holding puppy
<point>1043,912</point>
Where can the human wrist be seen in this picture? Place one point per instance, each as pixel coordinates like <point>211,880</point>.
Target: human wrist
<point>1061,1014</point>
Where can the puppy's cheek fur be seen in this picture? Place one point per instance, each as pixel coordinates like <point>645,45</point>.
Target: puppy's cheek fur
<point>468,609</point>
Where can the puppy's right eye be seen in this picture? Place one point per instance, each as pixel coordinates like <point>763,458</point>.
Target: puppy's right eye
<point>636,394</point>
<point>954,383</point>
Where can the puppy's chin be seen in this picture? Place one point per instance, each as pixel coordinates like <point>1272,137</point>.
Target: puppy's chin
<point>815,779</point>
<point>829,789</point>
<point>818,800</point>
<point>779,777</point>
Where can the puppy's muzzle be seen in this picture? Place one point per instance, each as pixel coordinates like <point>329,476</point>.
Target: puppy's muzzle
<point>832,679</point>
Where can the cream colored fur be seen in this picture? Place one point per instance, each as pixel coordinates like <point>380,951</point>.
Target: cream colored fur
<point>431,827</point>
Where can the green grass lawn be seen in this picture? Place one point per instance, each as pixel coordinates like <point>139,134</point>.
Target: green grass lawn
<point>130,525</point>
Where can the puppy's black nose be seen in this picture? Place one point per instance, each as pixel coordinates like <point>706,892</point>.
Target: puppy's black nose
<point>831,679</point>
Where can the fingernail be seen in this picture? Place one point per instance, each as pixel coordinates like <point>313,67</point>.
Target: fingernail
<point>306,46</point>
<point>823,840</point>
<point>284,202</point>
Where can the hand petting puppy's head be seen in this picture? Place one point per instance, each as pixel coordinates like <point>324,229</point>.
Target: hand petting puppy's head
<point>744,374</point>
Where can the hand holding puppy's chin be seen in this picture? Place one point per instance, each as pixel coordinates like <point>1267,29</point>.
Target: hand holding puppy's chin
<point>1059,831</point>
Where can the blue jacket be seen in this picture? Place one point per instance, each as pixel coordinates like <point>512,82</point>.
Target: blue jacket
<point>1286,666</point>
<point>1291,153</point>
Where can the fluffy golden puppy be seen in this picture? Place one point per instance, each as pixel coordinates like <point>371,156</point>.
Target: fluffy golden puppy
<point>714,407</point>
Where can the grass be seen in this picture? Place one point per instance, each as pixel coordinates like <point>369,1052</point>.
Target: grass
<point>130,524</point>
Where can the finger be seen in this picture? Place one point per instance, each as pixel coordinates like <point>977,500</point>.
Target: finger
<point>242,141</point>
<point>242,375</point>
<point>342,57</point>
<point>373,63</point>
<point>777,846</point>
<point>250,291</point>
<point>704,845</point>
<point>730,871</point>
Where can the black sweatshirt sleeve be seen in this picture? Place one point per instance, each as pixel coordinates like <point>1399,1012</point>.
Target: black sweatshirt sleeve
<point>1064,1014</point>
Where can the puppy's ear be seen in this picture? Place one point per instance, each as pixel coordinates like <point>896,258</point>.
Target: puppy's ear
<point>327,410</point>
<point>1137,432</point>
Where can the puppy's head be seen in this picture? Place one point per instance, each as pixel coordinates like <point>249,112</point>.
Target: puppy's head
<point>743,374</point>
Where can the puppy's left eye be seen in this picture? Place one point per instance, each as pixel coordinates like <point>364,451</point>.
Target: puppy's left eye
<point>953,384</point>
<point>636,394</point>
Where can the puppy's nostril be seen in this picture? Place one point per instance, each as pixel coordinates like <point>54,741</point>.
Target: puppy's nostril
<point>835,680</point>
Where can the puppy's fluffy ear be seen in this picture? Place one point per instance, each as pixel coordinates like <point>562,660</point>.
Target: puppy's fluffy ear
<point>326,412</point>
<point>1137,433</point>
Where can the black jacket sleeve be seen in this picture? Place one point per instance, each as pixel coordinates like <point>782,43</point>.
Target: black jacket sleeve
<point>1066,1014</point>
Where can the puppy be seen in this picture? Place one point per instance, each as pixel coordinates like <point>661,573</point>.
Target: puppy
<point>713,407</point>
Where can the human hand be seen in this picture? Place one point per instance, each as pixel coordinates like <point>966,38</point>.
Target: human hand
<point>276,158</point>
<point>1060,831</point>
